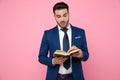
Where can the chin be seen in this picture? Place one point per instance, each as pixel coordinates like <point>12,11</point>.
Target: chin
<point>63,26</point>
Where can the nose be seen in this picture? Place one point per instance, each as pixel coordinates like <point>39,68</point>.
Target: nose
<point>62,18</point>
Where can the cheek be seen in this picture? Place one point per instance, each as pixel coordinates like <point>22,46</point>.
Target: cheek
<point>67,18</point>
<point>58,20</point>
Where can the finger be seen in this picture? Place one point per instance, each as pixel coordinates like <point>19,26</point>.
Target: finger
<point>59,58</point>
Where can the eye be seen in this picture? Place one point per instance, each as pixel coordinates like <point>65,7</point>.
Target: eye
<point>58,16</point>
<point>65,15</point>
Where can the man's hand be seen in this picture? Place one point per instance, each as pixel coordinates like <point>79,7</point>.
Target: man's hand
<point>59,60</point>
<point>79,54</point>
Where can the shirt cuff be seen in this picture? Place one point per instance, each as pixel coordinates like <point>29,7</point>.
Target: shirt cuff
<point>53,61</point>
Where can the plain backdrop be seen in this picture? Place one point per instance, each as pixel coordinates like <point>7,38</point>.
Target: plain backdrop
<point>22,23</point>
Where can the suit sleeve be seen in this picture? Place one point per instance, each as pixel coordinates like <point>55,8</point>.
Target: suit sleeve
<point>84,47</point>
<point>43,52</point>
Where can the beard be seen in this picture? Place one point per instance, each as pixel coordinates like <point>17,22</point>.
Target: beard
<point>63,24</point>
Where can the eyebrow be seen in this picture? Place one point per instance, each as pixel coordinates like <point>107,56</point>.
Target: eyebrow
<point>63,14</point>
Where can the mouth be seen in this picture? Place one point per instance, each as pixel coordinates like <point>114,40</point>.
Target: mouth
<point>62,23</point>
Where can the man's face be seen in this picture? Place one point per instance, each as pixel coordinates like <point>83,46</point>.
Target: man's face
<point>62,17</point>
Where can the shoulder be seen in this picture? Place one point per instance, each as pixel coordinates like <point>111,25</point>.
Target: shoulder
<point>51,30</point>
<point>77,29</point>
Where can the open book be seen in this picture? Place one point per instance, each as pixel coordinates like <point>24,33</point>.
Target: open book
<point>61,53</point>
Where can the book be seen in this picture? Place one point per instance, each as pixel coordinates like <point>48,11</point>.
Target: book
<point>61,53</point>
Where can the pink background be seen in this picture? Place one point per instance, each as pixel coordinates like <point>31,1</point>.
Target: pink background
<point>22,23</point>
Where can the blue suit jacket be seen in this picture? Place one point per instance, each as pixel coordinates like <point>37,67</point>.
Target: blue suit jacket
<point>50,43</point>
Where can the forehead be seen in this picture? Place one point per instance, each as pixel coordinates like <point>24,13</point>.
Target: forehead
<point>61,11</point>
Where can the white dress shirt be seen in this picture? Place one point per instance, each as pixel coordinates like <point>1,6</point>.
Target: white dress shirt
<point>62,70</point>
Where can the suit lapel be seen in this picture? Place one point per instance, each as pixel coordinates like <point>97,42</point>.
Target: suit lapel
<point>56,39</point>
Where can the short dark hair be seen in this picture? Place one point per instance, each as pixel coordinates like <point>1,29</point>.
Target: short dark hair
<point>60,5</point>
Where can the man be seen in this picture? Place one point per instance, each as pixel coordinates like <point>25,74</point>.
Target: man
<point>58,38</point>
